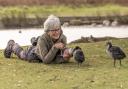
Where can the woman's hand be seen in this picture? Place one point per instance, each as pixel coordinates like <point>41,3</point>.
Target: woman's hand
<point>59,45</point>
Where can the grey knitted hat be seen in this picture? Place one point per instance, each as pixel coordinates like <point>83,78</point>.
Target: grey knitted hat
<point>52,23</point>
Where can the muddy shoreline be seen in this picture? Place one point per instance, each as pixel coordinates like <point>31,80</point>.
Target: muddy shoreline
<point>94,39</point>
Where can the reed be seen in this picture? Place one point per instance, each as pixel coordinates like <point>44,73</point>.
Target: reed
<point>83,10</point>
<point>58,2</point>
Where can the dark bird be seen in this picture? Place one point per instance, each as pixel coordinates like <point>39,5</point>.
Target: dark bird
<point>78,55</point>
<point>20,31</point>
<point>115,52</point>
<point>34,40</point>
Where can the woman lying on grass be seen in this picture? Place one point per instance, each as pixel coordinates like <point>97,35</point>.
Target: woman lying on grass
<point>50,47</point>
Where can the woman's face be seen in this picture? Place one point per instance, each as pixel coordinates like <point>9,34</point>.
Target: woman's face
<point>54,34</point>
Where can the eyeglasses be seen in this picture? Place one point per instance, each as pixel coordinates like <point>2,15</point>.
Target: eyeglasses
<point>55,30</point>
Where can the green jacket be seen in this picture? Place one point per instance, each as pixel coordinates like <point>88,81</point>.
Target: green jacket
<point>47,52</point>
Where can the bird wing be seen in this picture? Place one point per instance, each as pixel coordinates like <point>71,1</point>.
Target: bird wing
<point>79,56</point>
<point>117,51</point>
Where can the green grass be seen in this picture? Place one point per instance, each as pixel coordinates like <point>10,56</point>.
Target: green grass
<point>97,72</point>
<point>85,10</point>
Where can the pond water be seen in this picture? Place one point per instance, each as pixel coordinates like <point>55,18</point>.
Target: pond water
<point>72,33</point>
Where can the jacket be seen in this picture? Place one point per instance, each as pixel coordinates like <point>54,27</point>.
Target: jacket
<point>47,52</point>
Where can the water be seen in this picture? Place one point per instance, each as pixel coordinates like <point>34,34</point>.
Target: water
<point>72,33</point>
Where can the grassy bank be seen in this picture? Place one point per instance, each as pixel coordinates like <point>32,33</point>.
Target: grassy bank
<point>97,72</point>
<point>87,10</point>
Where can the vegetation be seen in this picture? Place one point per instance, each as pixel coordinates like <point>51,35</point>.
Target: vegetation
<point>97,72</point>
<point>23,16</point>
<point>60,2</point>
<point>32,13</point>
<point>83,10</point>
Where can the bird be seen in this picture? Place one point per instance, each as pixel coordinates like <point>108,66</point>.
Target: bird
<point>115,52</point>
<point>78,55</point>
<point>34,40</point>
<point>20,31</point>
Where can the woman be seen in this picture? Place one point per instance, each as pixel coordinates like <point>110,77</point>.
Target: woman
<point>52,43</point>
<point>50,47</point>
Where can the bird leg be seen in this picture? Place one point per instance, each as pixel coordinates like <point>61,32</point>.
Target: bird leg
<point>79,64</point>
<point>114,62</point>
<point>120,63</point>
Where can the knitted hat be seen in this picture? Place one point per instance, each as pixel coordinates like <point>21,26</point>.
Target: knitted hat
<point>52,23</point>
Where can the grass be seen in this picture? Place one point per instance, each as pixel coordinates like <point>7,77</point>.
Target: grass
<point>97,72</point>
<point>85,10</point>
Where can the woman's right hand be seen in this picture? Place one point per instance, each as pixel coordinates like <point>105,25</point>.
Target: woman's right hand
<point>59,45</point>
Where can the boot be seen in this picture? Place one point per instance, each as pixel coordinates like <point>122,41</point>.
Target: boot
<point>8,50</point>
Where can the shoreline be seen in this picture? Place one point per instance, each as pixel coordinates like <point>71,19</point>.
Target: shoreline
<point>92,39</point>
